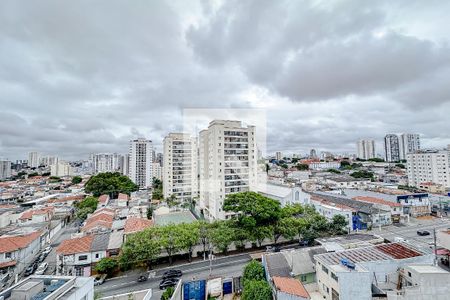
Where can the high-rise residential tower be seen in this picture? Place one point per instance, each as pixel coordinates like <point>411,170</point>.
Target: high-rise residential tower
<point>227,164</point>
<point>278,155</point>
<point>391,148</point>
<point>140,163</point>
<point>180,172</point>
<point>409,143</point>
<point>365,149</point>
<point>33,159</point>
<point>106,162</point>
<point>5,168</point>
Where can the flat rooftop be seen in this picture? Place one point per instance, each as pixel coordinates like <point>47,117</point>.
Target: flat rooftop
<point>175,218</point>
<point>427,269</point>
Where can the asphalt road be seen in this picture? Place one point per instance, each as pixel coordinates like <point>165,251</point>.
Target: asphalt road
<point>230,266</point>
<point>409,231</point>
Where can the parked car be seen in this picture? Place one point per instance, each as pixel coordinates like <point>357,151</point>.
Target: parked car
<point>41,269</point>
<point>142,278</point>
<point>167,283</point>
<point>41,258</point>
<point>30,270</point>
<point>47,250</point>
<point>99,279</point>
<point>272,249</point>
<point>423,232</point>
<point>399,239</point>
<point>172,274</point>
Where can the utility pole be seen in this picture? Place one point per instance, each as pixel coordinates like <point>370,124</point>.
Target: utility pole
<point>434,241</point>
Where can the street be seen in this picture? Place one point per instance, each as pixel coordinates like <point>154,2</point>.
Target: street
<point>409,231</point>
<point>230,266</point>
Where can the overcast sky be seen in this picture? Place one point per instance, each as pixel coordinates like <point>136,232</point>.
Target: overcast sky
<point>87,76</point>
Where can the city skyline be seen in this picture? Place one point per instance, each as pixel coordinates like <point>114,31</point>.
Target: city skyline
<point>76,82</point>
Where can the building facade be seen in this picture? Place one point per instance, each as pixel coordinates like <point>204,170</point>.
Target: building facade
<point>106,162</point>
<point>365,149</point>
<point>33,159</point>
<point>409,143</point>
<point>5,169</point>
<point>61,169</point>
<point>227,164</point>
<point>180,166</point>
<point>391,148</point>
<point>428,166</point>
<point>140,167</point>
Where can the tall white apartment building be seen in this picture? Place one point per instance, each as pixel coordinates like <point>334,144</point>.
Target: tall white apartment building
<point>278,155</point>
<point>140,168</point>
<point>106,162</point>
<point>157,170</point>
<point>124,164</point>
<point>5,169</point>
<point>365,149</point>
<point>429,166</point>
<point>227,164</point>
<point>408,143</point>
<point>33,159</point>
<point>61,169</point>
<point>180,169</point>
<point>391,148</point>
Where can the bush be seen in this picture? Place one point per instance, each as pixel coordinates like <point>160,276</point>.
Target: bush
<point>76,180</point>
<point>167,293</point>
<point>253,271</point>
<point>257,290</point>
<point>106,265</point>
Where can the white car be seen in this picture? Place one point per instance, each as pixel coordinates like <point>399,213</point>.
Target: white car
<point>41,269</point>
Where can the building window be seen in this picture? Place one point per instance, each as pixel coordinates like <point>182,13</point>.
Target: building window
<point>324,269</point>
<point>303,278</point>
<point>8,254</point>
<point>334,276</point>
<point>79,272</point>
<point>82,257</point>
<point>96,255</point>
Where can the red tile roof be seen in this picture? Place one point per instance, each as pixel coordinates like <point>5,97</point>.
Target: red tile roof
<point>102,219</point>
<point>377,201</point>
<point>14,243</point>
<point>290,286</point>
<point>397,251</point>
<point>123,197</point>
<point>76,245</point>
<point>33,212</point>
<point>7,264</point>
<point>134,224</point>
<point>103,198</point>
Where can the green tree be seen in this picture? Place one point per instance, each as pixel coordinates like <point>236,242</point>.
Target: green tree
<point>150,210</point>
<point>401,166</point>
<point>284,166</point>
<point>172,201</point>
<point>257,290</point>
<point>338,224</point>
<point>302,167</point>
<point>204,233</point>
<point>111,184</point>
<point>106,265</point>
<point>77,179</point>
<point>334,171</point>
<point>286,227</point>
<point>167,293</point>
<point>190,235</point>
<point>221,235</point>
<point>261,233</point>
<point>85,207</point>
<point>143,246</point>
<point>171,239</point>
<point>253,271</point>
<point>362,174</point>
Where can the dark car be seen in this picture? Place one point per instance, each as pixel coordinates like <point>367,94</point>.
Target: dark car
<point>30,270</point>
<point>273,249</point>
<point>142,278</point>
<point>423,232</point>
<point>172,274</point>
<point>167,283</point>
<point>41,258</point>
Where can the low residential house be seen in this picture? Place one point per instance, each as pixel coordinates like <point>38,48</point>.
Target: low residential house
<point>289,289</point>
<point>78,256</point>
<point>122,200</point>
<point>394,207</point>
<point>133,225</point>
<point>284,194</point>
<point>418,281</point>
<point>365,215</point>
<point>103,201</point>
<point>324,165</point>
<point>302,263</point>
<point>298,175</point>
<point>38,215</point>
<point>415,205</point>
<point>100,221</point>
<point>432,187</point>
<point>363,273</point>
<point>347,182</point>
<point>329,209</point>
<point>18,251</point>
<point>349,241</point>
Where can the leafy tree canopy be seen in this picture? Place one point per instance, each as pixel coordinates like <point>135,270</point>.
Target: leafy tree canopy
<point>111,184</point>
<point>106,265</point>
<point>76,180</point>
<point>257,290</point>
<point>253,271</point>
<point>302,167</point>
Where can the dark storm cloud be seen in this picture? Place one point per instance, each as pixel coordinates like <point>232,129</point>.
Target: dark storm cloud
<point>81,76</point>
